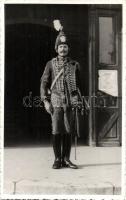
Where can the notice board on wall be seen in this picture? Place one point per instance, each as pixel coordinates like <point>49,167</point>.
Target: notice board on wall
<point>108,81</point>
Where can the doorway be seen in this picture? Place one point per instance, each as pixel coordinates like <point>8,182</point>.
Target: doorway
<point>105,69</point>
<point>29,44</point>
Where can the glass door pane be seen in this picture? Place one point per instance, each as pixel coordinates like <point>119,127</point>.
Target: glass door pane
<point>106,41</point>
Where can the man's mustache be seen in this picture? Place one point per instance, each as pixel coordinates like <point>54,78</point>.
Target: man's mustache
<point>63,51</point>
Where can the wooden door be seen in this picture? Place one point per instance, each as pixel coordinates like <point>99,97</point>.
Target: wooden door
<point>105,75</point>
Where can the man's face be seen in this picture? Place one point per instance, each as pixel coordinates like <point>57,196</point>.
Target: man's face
<point>63,50</point>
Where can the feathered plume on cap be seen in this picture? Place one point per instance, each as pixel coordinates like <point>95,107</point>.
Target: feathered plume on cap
<point>61,38</point>
<point>57,25</point>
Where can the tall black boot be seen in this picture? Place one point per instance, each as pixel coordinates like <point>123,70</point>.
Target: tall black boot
<point>66,149</point>
<point>57,151</point>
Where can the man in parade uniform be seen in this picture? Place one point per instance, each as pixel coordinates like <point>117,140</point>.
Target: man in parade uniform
<point>59,92</point>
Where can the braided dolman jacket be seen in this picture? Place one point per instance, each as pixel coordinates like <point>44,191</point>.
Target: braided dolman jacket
<point>67,84</point>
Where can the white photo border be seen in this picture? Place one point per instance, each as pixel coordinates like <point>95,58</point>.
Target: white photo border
<point>2,48</point>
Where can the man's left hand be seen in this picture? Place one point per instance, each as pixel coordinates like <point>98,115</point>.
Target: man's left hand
<point>76,102</point>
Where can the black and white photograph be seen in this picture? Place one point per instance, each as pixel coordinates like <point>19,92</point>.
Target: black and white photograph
<point>63,108</point>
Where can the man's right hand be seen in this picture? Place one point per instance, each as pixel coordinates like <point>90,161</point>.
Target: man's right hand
<point>48,107</point>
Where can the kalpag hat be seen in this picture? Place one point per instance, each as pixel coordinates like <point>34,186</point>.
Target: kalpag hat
<point>61,37</point>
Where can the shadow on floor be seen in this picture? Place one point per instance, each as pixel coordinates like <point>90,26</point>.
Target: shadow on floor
<point>96,165</point>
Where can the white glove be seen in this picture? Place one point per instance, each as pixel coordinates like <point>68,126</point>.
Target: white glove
<point>48,107</point>
<point>74,100</point>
